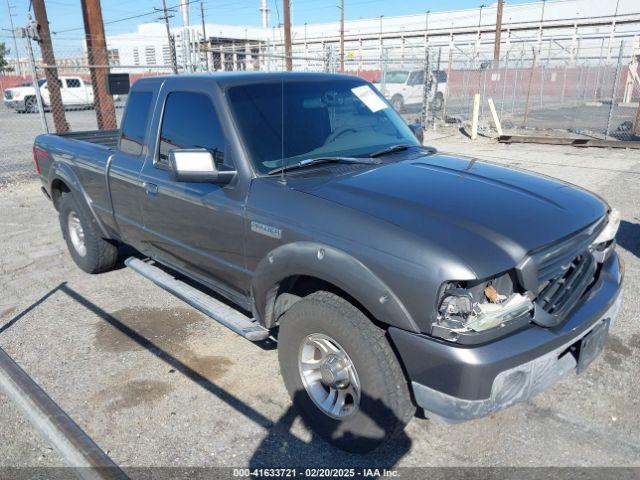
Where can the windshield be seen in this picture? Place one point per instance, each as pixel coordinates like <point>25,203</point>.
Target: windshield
<point>396,77</point>
<point>319,118</point>
<point>29,84</point>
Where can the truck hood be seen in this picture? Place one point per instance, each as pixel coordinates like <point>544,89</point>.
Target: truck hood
<point>21,90</point>
<point>487,215</point>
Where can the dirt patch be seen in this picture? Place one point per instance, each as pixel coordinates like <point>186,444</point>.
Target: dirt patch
<point>5,314</point>
<point>615,345</point>
<point>159,326</point>
<point>210,366</point>
<point>634,341</point>
<point>168,329</point>
<point>134,393</point>
<point>616,351</point>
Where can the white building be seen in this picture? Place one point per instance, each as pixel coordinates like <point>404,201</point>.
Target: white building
<point>559,31</point>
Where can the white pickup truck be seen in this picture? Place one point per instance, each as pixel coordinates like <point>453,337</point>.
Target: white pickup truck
<point>405,87</point>
<point>75,93</point>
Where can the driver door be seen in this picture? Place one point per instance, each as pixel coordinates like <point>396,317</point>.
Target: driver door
<point>196,228</point>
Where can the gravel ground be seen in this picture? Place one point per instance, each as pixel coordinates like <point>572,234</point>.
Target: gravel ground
<point>155,383</point>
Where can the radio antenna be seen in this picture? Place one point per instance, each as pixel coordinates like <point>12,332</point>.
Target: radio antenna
<point>282,163</point>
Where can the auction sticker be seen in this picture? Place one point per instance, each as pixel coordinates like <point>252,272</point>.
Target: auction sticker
<point>369,98</point>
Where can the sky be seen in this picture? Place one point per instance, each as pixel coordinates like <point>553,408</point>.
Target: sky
<point>65,16</point>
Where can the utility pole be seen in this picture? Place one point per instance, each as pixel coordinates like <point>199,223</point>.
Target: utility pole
<point>341,35</point>
<point>172,50</point>
<point>496,46</point>
<point>544,3</point>
<point>264,10</point>
<point>287,35</point>
<point>186,35</point>
<point>15,42</point>
<point>50,69</point>
<point>99,63</point>
<point>204,36</point>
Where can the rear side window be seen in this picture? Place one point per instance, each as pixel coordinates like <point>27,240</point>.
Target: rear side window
<point>73,83</point>
<point>190,121</point>
<point>134,125</point>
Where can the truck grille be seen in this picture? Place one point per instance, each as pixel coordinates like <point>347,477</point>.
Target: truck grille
<point>565,271</point>
<point>560,294</point>
<point>553,261</point>
<point>7,94</point>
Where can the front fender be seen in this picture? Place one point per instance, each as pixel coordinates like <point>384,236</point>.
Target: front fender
<point>333,266</point>
<point>63,172</point>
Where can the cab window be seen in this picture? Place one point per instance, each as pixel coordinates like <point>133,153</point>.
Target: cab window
<point>134,125</point>
<point>190,121</point>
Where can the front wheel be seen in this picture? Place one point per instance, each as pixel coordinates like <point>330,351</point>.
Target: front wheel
<point>397,102</point>
<point>438,103</point>
<point>342,374</point>
<point>31,105</point>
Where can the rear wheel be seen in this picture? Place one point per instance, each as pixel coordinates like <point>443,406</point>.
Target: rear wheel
<point>30,105</point>
<point>89,250</point>
<point>342,374</point>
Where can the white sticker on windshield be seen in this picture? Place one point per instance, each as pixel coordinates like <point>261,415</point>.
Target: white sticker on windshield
<point>369,98</point>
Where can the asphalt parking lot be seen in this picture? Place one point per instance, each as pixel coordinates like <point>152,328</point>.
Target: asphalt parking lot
<point>155,383</point>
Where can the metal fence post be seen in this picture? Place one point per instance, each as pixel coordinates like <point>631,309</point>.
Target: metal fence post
<point>25,33</point>
<point>504,83</point>
<point>614,89</point>
<point>484,92</point>
<point>542,77</point>
<point>526,105</point>
<point>515,84</point>
<point>383,70</point>
<point>426,88</point>
<point>564,84</point>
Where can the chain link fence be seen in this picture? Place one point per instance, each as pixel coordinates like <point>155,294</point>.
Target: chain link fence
<point>548,88</point>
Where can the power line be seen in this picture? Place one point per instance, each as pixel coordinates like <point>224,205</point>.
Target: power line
<point>124,19</point>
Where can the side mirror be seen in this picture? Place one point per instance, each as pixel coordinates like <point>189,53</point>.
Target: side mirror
<point>196,165</point>
<point>418,130</point>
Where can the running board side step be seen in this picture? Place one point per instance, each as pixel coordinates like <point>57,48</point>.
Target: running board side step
<point>221,313</point>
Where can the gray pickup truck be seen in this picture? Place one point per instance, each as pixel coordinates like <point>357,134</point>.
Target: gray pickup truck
<point>300,208</point>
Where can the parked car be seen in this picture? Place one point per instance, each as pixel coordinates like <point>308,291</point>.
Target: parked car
<point>392,277</point>
<point>406,88</point>
<point>74,91</point>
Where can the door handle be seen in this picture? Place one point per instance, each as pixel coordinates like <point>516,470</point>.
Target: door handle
<point>151,189</point>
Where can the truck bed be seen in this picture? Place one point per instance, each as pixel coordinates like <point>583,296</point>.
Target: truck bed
<point>106,138</point>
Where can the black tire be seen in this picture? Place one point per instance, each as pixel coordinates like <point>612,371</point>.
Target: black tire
<point>30,105</point>
<point>100,255</point>
<point>385,402</point>
<point>438,103</point>
<point>397,102</point>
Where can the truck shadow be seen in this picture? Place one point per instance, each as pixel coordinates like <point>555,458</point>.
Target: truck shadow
<point>280,447</point>
<point>35,304</point>
<point>628,237</point>
<point>283,448</point>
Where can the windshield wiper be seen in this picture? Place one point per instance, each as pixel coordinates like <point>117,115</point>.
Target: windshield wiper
<point>400,148</point>
<point>391,149</point>
<point>315,161</point>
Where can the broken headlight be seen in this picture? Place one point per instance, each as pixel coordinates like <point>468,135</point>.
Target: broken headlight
<point>478,306</point>
<point>609,232</point>
<point>602,246</point>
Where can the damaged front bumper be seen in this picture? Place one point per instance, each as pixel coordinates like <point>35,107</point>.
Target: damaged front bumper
<point>456,383</point>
